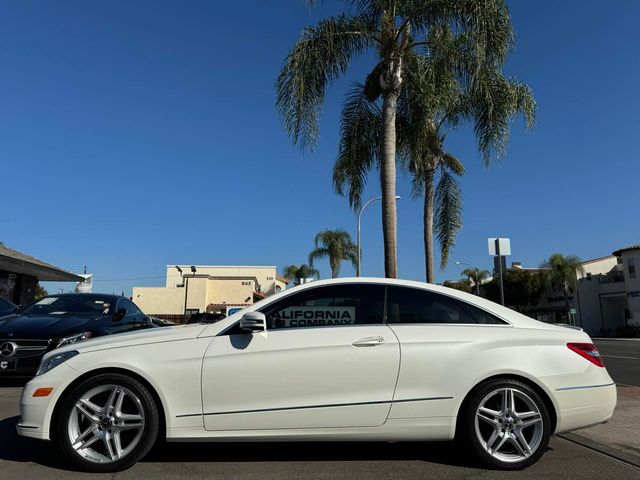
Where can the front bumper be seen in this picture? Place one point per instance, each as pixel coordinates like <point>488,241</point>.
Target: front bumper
<point>23,368</point>
<point>36,412</point>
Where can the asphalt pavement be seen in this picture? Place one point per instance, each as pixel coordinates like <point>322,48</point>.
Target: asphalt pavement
<point>22,458</point>
<point>622,359</point>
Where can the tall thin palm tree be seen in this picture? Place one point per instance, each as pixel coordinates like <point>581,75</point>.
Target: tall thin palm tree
<point>434,100</point>
<point>394,30</point>
<point>296,273</point>
<point>561,272</point>
<point>336,245</point>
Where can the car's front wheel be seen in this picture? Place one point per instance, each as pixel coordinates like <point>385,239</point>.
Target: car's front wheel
<point>507,424</point>
<point>107,423</point>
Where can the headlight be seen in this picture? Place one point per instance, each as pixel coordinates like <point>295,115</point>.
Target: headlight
<point>53,361</point>
<point>78,337</point>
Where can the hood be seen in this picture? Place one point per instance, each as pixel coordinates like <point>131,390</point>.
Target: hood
<point>45,326</point>
<point>138,337</point>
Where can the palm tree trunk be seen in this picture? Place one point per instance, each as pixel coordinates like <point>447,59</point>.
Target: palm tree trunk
<point>428,225</point>
<point>388,182</point>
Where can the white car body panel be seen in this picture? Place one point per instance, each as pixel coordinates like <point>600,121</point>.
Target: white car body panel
<point>313,384</point>
<point>307,369</point>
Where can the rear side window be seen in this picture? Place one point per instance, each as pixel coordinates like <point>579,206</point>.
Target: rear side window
<point>336,305</point>
<point>128,306</point>
<point>412,305</point>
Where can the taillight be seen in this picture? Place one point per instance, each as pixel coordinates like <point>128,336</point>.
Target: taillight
<point>588,351</point>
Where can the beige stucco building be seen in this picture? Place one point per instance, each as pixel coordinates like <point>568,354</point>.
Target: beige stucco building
<point>208,288</point>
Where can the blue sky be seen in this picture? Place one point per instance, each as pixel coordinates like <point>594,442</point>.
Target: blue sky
<point>137,134</point>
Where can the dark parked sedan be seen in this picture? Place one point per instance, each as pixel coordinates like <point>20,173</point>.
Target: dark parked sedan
<point>6,307</point>
<point>58,320</point>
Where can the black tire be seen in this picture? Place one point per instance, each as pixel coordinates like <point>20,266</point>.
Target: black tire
<point>60,436</point>
<point>468,436</point>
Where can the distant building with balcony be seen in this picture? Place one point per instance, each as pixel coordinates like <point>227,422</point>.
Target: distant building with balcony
<point>606,301</point>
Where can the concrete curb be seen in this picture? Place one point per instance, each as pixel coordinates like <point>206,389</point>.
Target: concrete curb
<point>600,448</point>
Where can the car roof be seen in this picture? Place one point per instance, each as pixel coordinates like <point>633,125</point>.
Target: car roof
<point>89,295</point>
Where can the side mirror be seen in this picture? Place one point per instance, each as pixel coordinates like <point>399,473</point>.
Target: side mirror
<point>253,322</point>
<point>120,314</point>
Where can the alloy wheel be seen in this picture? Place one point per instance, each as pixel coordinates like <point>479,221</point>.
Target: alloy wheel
<point>106,423</point>
<point>509,425</point>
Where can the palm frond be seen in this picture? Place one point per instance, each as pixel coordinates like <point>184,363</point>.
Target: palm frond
<point>322,53</point>
<point>307,271</point>
<point>359,137</point>
<point>495,101</point>
<point>453,164</point>
<point>290,272</point>
<point>317,254</point>
<point>448,214</point>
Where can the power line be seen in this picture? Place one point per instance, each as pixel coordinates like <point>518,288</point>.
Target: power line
<point>129,278</point>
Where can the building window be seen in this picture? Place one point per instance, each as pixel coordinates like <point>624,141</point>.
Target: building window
<point>631,265</point>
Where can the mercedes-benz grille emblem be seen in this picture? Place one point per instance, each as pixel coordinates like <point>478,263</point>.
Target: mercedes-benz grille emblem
<point>8,349</point>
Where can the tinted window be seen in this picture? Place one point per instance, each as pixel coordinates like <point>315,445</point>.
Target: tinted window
<point>129,306</point>
<point>328,306</point>
<point>411,305</point>
<point>73,304</point>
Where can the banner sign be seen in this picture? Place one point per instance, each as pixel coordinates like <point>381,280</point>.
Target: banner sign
<point>303,316</point>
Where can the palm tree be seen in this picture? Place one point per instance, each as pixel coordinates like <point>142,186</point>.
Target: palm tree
<point>562,272</point>
<point>394,30</point>
<point>296,273</point>
<point>432,103</point>
<point>290,272</point>
<point>476,276</point>
<point>336,245</point>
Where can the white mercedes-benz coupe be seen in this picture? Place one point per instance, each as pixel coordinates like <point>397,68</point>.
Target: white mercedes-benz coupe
<point>336,360</point>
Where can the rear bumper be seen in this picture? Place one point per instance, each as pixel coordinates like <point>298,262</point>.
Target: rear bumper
<point>586,405</point>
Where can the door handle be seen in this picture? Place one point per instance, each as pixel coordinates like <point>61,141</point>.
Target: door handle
<point>368,342</point>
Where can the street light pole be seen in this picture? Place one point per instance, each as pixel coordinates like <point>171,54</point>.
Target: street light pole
<point>477,280</point>
<point>358,269</point>
<point>184,284</point>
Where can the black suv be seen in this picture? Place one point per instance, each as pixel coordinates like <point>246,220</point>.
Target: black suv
<point>57,320</point>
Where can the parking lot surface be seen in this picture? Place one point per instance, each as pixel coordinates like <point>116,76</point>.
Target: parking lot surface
<point>22,458</point>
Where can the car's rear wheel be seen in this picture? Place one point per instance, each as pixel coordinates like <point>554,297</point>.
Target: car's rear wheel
<point>507,424</point>
<point>107,423</point>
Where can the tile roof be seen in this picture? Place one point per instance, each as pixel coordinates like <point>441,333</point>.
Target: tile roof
<point>618,252</point>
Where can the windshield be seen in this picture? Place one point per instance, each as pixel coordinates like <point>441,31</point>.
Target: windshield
<point>64,304</point>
